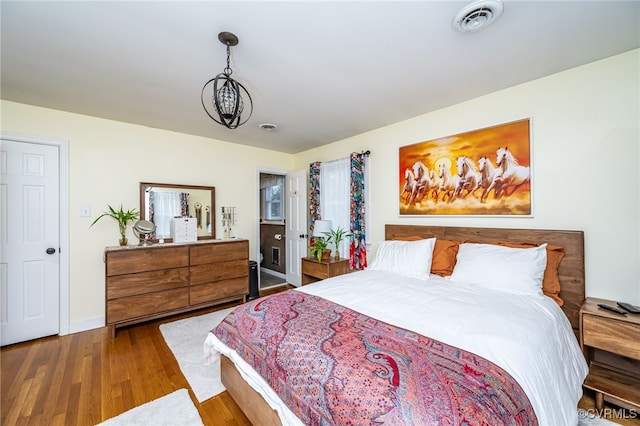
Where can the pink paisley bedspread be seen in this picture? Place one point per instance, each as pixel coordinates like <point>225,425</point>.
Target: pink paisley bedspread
<point>334,366</point>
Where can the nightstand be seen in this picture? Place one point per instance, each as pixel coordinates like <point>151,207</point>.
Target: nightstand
<point>313,271</point>
<point>611,344</point>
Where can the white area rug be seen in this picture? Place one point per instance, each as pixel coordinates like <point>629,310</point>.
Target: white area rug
<point>171,410</point>
<point>186,339</point>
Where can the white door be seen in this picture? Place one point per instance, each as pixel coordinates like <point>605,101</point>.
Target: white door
<point>296,188</point>
<point>30,241</point>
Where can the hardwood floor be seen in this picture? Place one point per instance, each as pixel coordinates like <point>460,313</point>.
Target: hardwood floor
<point>86,378</point>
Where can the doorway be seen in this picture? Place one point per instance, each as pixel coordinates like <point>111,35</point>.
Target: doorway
<point>272,256</point>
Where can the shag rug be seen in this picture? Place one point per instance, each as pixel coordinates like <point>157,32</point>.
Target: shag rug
<point>170,410</point>
<point>186,338</point>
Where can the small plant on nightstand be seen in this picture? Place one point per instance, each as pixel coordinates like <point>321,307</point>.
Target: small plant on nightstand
<point>319,248</point>
<point>336,236</point>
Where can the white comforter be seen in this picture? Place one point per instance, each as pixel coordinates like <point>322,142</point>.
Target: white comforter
<point>529,337</point>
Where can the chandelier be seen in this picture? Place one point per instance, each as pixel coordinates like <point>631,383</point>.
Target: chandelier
<point>225,97</point>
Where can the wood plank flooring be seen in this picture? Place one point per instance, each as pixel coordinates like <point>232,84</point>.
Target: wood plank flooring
<point>86,378</point>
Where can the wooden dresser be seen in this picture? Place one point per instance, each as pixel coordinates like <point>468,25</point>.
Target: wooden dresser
<point>144,283</point>
<point>611,343</point>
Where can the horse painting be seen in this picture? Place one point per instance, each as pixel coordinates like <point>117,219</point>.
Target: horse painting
<point>511,174</point>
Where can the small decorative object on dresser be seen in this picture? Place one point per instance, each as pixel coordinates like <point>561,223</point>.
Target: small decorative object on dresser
<point>123,218</point>
<point>313,270</point>
<point>611,344</point>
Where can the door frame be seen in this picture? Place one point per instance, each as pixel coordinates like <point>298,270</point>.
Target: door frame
<point>63,197</point>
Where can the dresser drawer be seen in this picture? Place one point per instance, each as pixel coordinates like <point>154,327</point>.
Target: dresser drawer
<point>220,252</point>
<point>146,282</point>
<point>127,308</point>
<point>218,290</point>
<point>210,272</point>
<point>316,269</point>
<point>143,260</point>
<point>611,335</point>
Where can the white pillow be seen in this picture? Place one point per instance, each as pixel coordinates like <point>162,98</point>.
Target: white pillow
<point>407,258</point>
<point>512,270</point>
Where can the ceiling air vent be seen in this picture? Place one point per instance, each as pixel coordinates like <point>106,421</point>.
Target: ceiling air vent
<point>477,15</point>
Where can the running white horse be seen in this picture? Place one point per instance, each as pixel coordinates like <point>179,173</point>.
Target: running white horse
<point>409,184</point>
<point>423,179</point>
<point>468,177</point>
<point>488,174</point>
<point>448,182</point>
<point>511,173</point>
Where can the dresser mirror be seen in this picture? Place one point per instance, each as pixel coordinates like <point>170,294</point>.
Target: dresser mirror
<point>161,202</point>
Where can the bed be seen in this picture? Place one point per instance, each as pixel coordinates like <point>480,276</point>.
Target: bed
<point>410,347</point>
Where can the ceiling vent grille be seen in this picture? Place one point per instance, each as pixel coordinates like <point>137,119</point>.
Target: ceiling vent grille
<point>478,15</point>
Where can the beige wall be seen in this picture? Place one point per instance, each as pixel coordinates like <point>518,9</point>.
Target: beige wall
<point>586,157</point>
<point>586,162</point>
<point>108,160</point>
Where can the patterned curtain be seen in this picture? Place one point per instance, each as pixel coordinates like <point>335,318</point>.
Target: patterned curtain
<point>358,248</point>
<point>184,204</point>
<point>314,195</point>
<point>152,210</point>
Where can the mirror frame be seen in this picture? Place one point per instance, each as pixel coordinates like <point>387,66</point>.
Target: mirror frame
<point>212,189</point>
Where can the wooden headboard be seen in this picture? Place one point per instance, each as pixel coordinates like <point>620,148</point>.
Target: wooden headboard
<point>570,271</point>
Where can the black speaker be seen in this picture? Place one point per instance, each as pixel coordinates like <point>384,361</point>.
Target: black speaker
<point>254,292</point>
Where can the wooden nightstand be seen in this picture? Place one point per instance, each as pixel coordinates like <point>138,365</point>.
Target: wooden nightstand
<point>313,271</point>
<point>611,344</point>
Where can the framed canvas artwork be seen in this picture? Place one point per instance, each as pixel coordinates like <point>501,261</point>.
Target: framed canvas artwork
<point>480,172</point>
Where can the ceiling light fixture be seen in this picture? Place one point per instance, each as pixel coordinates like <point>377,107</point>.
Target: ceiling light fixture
<point>477,15</point>
<point>225,94</point>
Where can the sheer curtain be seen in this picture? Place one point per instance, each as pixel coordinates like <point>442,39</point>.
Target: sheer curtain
<point>166,205</point>
<point>335,177</point>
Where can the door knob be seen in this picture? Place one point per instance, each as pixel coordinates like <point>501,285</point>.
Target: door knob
<point>50,250</point>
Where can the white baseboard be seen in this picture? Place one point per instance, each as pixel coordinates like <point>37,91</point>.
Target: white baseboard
<point>90,324</point>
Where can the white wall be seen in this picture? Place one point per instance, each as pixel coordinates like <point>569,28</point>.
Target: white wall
<point>586,158</point>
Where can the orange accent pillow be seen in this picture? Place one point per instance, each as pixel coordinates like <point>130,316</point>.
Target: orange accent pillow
<point>444,255</point>
<point>550,280</point>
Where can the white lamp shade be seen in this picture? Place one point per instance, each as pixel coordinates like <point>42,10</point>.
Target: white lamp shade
<point>320,227</point>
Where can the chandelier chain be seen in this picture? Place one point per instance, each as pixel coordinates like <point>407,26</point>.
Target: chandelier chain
<point>228,70</point>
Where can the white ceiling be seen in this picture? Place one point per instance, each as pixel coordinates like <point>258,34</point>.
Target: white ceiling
<point>321,71</point>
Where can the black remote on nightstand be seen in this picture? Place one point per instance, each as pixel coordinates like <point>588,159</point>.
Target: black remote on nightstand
<point>612,309</point>
<point>629,307</point>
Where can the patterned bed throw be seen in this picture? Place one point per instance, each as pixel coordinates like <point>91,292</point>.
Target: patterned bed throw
<point>334,366</point>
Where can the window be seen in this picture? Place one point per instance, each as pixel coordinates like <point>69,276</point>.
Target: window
<point>273,203</point>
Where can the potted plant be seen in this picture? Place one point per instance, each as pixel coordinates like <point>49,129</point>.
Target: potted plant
<point>123,218</point>
<point>319,249</point>
<point>336,236</point>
